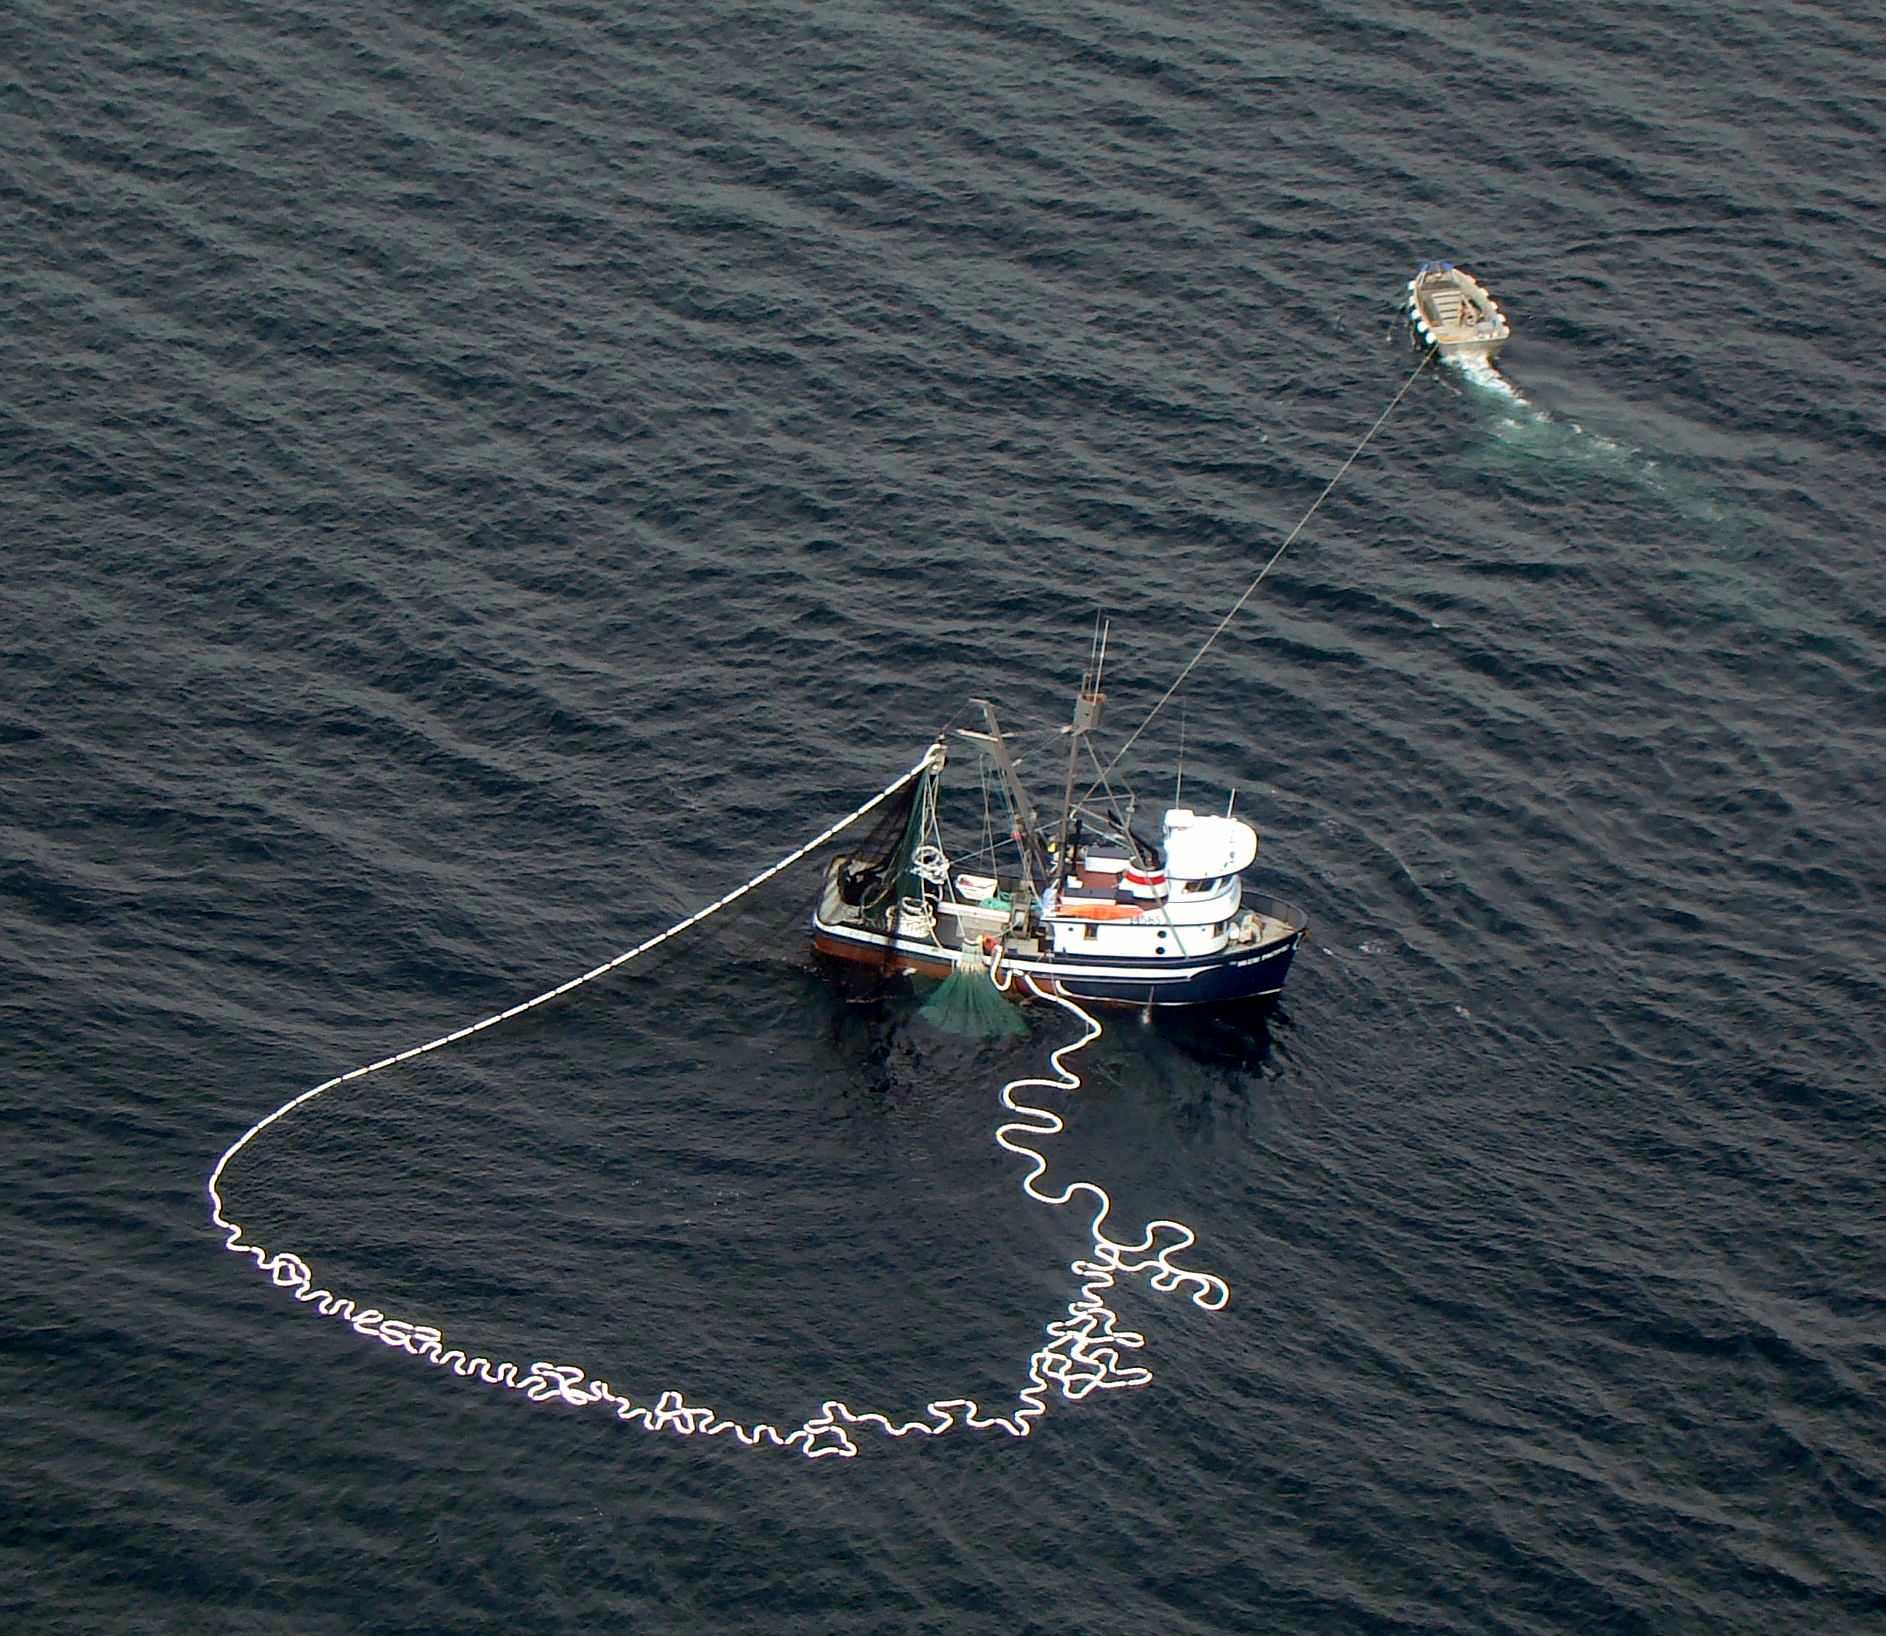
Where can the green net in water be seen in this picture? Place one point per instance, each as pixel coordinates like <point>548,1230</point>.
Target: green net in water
<point>967,1003</point>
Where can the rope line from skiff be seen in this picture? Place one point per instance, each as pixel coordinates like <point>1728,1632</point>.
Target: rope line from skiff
<point>1237,607</point>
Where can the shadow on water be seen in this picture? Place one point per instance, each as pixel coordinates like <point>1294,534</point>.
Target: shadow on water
<point>879,1028</point>
<point>866,1007</point>
<point>1238,1040</point>
<point>862,1008</point>
<point>876,1025</point>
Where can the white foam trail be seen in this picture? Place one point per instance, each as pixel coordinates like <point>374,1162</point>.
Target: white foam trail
<point>1539,431</point>
<point>1081,1355</point>
<point>1479,371</point>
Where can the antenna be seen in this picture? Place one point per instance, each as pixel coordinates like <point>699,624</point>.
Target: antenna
<point>1178,784</point>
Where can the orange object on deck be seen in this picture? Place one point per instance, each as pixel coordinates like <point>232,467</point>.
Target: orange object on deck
<point>1097,911</point>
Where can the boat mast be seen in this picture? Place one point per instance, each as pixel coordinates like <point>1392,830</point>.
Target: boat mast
<point>1087,707</point>
<point>1027,833</point>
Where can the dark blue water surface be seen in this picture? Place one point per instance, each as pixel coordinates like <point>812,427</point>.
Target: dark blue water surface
<point>482,480</point>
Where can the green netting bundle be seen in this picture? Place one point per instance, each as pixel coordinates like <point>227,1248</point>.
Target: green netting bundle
<point>966,1002</point>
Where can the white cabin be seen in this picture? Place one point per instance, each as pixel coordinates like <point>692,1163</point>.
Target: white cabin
<point>1111,905</point>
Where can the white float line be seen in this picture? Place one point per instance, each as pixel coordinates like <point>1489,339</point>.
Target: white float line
<point>1081,1355</point>
<point>1208,1292</point>
<point>620,960</point>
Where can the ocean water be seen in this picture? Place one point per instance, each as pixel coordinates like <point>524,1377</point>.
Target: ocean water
<point>483,480</point>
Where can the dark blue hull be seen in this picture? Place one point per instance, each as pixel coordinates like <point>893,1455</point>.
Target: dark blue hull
<point>1241,975</point>
<point>1231,976</point>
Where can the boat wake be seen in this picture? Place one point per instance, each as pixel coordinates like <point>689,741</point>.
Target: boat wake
<point>1526,427</point>
<point>1526,434</point>
<point>1082,1354</point>
<point>1483,375</point>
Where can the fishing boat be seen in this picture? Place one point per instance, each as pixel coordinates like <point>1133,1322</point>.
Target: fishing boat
<point>1452,310</point>
<point>1088,907</point>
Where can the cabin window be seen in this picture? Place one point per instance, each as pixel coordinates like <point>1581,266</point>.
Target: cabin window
<point>1089,933</point>
<point>1198,888</point>
<point>1221,928</point>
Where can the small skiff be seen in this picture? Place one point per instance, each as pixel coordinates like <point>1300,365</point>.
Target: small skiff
<point>1451,309</point>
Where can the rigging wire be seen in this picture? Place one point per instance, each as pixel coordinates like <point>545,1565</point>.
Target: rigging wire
<point>1219,629</point>
<point>1122,816</point>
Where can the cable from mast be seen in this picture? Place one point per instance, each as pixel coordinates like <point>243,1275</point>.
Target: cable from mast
<point>1219,629</point>
<point>1087,708</point>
